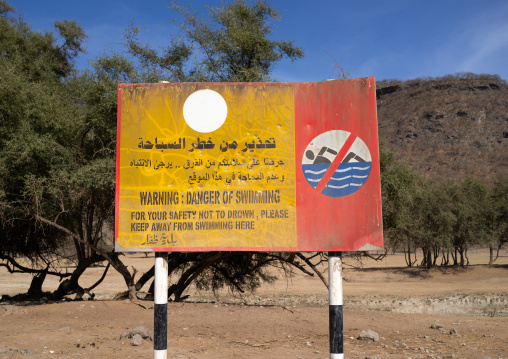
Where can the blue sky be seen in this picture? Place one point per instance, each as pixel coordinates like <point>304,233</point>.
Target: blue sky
<point>398,39</point>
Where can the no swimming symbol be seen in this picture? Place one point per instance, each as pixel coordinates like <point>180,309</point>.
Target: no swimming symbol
<point>336,163</point>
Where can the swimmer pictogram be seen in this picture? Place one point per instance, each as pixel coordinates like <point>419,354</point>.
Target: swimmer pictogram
<point>336,163</point>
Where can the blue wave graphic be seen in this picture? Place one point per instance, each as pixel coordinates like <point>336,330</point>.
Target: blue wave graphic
<point>347,179</point>
<point>314,173</point>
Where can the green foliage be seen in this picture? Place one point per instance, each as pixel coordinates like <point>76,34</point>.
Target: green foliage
<point>231,45</point>
<point>58,139</point>
<point>441,219</point>
<point>34,132</point>
<point>41,57</point>
<point>5,8</point>
<point>499,200</point>
<point>499,224</point>
<point>402,189</point>
<point>73,35</point>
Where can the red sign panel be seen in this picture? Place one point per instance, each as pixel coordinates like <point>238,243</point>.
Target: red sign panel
<point>341,117</point>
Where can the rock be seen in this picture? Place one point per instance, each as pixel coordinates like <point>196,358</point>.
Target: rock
<point>26,351</point>
<point>70,297</point>
<point>124,335</point>
<point>418,356</point>
<point>9,309</point>
<point>136,340</point>
<point>142,331</point>
<point>12,309</point>
<point>437,326</point>
<point>453,331</point>
<point>369,335</point>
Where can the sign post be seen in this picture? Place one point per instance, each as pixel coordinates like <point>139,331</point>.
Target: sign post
<point>285,167</point>
<point>335,305</point>
<point>160,309</point>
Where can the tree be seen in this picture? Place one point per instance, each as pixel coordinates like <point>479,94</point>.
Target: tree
<point>57,152</point>
<point>58,148</point>
<point>471,206</point>
<point>499,222</point>
<point>33,132</point>
<point>231,45</point>
<point>402,191</point>
<point>415,215</point>
<point>444,218</point>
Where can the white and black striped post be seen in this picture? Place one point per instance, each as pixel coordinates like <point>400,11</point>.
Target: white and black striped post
<point>160,315</point>
<point>335,307</point>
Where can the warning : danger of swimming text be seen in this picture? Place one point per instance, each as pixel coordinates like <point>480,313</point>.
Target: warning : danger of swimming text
<point>168,198</point>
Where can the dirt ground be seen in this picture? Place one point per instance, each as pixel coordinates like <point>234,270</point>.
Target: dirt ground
<point>288,319</point>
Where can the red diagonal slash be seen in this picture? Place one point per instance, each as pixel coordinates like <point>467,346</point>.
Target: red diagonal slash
<point>336,162</point>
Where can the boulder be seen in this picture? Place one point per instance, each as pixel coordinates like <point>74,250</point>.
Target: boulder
<point>368,335</point>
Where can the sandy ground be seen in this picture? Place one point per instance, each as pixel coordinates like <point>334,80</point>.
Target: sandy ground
<point>288,319</point>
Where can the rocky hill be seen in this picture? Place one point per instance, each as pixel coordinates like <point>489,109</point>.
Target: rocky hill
<point>449,127</point>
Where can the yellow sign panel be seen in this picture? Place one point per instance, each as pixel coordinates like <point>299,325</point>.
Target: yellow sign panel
<point>206,167</point>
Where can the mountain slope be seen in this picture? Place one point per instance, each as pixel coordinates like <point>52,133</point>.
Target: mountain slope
<point>447,128</point>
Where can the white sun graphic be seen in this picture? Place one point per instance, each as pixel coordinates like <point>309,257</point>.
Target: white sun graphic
<point>205,111</point>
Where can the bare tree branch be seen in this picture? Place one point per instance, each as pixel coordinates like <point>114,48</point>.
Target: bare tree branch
<point>100,280</point>
<point>106,256</point>
<point>341,75</point>
<point>310,264</point>
<point>23,269</point>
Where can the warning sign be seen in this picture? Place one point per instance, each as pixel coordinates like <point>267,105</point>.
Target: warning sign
<point>247,167</point>
<point>337,163</point>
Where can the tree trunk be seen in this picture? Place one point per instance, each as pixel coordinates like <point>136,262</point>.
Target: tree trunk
<point>35,290</point>
<point>428,260</point>
<point>461,252</point>
<point>127,276</point>
<point>191,273</point>
<point>446,258</point>
<point>145,278</point>
<point>435,252</point>
<point>407,255</point>
<point>71,285</point>
<point>493,254</point>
